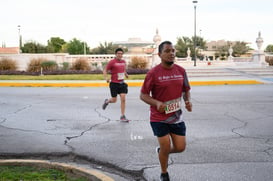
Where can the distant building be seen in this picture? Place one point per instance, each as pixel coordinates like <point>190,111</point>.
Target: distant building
<point>136,46</point>
<point>9,50</point>
<point>215,45</point>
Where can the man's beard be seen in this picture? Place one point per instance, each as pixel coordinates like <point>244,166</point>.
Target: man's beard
<point>169,63</point>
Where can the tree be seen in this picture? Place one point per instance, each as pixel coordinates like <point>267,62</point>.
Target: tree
<point>33,47</point>
<point>182,46</point>
<point>269,48</point>
<point>76,47</point>
<point>55,44</point>
<point>240,48</point>
<point>200,42</point>
<point>184,43</point>
<point>106,48</point>
<point>222,52</point>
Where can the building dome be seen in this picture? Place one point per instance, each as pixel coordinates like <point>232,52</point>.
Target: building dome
<point>157,38</point>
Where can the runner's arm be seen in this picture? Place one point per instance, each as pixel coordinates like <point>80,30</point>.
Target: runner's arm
<point>187,99</point>
<point>160,106</point>
<point>105,75</point>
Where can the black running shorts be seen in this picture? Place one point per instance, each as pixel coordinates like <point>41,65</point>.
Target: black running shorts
<point>118,88</point>
<point>161,129</point>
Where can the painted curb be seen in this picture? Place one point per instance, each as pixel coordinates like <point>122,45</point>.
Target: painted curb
<point>131,84</point>
<point>225,82</point>
<point>79,171</point>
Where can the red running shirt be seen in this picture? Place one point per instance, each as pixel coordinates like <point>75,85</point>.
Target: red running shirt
<point>117,69</point>
<point>165,85</point>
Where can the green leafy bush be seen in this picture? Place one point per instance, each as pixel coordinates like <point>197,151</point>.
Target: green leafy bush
<point>49,65</point>
<point>81,64</point>
<point>65,66</point>
<point>103,64</point>
<point>8,64</point>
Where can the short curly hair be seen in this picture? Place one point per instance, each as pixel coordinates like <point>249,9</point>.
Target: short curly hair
<point>160,47</point>
<point>118,49</point>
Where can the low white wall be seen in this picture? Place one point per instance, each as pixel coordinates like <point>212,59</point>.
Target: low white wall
<point>24,59</point>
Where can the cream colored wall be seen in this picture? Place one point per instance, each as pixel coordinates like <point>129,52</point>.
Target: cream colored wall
<point>24,59</point>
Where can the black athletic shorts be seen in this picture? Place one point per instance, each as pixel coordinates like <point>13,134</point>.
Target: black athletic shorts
<point>161,129</point>
<point>118,88</point>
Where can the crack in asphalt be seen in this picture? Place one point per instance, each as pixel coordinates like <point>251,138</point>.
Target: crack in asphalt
<point>23,130</point>
<point>244,125</point>
<point>132,174</point>
<point>2,120</point>
<point>89,129</point>
<point>23,108</point>
<point>15,112</point>
<point>68,138</point>
<point>270,149</point>
<point>104,166</point>
<point>27,130</point>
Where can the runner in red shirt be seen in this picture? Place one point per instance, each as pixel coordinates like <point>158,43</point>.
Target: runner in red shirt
<point>163,88</point>
<point>117,68</point>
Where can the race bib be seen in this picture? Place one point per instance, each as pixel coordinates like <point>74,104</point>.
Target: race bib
<point>121,76</point>
<point>173,105</point>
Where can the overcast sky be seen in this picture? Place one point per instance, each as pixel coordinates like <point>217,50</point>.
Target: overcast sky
<point>97,21</point>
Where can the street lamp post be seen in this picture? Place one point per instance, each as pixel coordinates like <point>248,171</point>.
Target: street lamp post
<point>20,39</point>
<point>194,41</point>
<point>84,48</point>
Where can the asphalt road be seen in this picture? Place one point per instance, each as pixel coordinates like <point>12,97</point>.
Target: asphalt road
<point>229,132</point>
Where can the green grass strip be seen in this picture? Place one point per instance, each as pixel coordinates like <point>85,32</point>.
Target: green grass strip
<point>29,173</point>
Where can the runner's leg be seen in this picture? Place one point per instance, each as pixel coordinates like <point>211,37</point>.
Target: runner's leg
<point>114,92</point>
<point>112,100</point>
<point>165,148</point>
<point>122,103</point>
<point>179,143</point>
